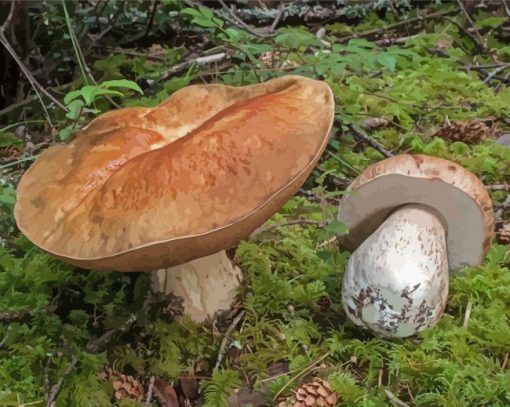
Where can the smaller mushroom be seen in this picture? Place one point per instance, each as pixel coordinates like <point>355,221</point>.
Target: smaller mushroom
<point>411,218</point>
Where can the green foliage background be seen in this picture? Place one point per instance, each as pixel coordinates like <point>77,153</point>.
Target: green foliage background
<point>293,274</point>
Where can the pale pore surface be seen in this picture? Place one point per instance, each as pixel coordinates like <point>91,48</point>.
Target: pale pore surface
<point>205,285</point>
<point>367,206</point>
<point>396,282</point>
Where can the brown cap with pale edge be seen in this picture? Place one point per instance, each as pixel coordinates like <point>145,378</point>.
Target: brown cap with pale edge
<point>456,193</point>
<point>146,188</point>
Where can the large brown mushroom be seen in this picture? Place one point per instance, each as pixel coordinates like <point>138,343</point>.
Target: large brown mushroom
<point>411,218</point>
<point>156,188</point>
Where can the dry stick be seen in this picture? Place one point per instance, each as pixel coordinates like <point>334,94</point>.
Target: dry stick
<point>480,39</point>
<point>151,19</point>
<point>301,373</point>
<point>371,142</point>
<point>263,229</point>
<point>149,391</point>
<point>186,64</point>
<point>493,74</point>
<point>499,187</point>
<point>46,380</point>
<point>35,85</point>
<point>395,399</point>
<point>507,10</point>
<point>467,314</point>
<point>55,389</point>
<point>8,316</point>
<point>223,345</point>
<point>277,18</point>
<point>28,74</point>
<point>398,24</point>
<point>237,21</point>
<point>96,345</point>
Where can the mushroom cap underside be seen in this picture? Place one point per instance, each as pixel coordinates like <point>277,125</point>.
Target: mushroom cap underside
<point>454,192</point>
<point>146,188</point>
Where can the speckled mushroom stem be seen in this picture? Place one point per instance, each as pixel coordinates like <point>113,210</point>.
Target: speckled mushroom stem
<point>396,282</point>
<point>202,286</point>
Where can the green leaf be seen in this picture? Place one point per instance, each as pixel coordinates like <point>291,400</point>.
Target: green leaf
<point>90,93</point>
<point>72,96</point>
<point>336,227</point>
<point>388,61</point>
<point>122,83</point>
<point>74,109</point>
<point>491,22</point>
<point>66,132</point>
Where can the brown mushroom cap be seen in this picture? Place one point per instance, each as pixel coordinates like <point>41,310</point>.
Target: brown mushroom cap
<point>146,188</point>
<point>456,193</point>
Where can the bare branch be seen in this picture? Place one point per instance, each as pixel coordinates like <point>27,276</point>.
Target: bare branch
<point>223,345</point>
<point>293,222</point>
<point>55,389</point>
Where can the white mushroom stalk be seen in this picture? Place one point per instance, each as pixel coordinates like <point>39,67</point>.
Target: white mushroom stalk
<point>396,282</point>
<point>200,287</point>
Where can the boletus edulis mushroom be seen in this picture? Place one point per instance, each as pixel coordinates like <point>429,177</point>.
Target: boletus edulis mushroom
<point>411,218</point>
<point>172,187</point>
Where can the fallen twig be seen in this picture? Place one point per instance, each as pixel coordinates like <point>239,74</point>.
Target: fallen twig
<point>9,316</point>
<point>265,228</point>
<point>398,24</point>
<point>148,399</point>
<point>224,341</point>
<point>395,399</point>
<point>299,374</point>
<point>498,187</point>
<point>241,24</point>
<point>55,389</point>
<point>95,346</point>
<point>35,85</point>
<point>371,142</point>
<point>466,14</point>
<point>208,59</point>
<point>467,314</point>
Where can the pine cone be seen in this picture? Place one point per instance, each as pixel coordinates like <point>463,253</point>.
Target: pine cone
<point>315,394</point>
<point>469,132</point>
<point>503,234</point>
<point>126,387</point>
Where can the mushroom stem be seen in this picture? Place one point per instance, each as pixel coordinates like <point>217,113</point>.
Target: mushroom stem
<point>396,282</point>
<point>205,285</point>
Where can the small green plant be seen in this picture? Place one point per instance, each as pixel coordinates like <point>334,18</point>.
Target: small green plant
<point>87,97</point>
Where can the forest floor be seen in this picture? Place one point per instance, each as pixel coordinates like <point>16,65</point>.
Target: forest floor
<point>432,79</point>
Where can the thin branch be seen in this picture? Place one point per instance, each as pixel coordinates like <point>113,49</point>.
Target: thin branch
<point>277,18</point>
<point>9,316</point>
<point>224,341</point>
<point>151,19</point>
<point>299,374</point>
<point>265,228</point>
<point>371,142</point>
<point>499,187</point>
<point>9,17</point>
<point>208,59</point>
<point>395,399</point>
<point>46,380</point>
<point>467,314</point>
<point>148,399</point>
<point>398,24</point>
<point>97,344</point>
<point>55,389</point>
<point>480,39</point>
<point>35,85</point>
<point>507,10</point>
<point>493,74</point>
